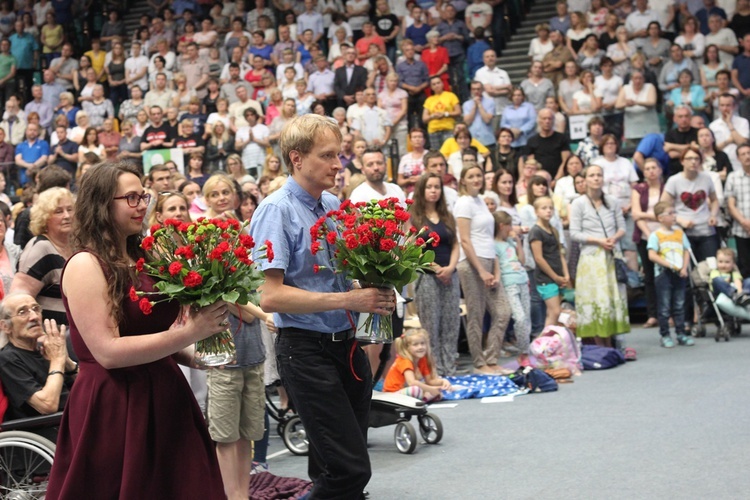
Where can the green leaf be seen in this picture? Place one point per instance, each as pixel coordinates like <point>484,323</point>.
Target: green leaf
<point>231,297</point>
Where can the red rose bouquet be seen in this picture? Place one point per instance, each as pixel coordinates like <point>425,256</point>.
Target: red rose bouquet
<point>371,244</point>
<point>197,264</point>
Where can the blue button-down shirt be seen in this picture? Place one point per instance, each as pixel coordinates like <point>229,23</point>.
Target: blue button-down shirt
<point>321,82</point>
<point>414,74</point>
<point>23,47</point>
<point>455,47</point>
<point>479,130</point>
<point>285,218</point>
<point>522,117</point>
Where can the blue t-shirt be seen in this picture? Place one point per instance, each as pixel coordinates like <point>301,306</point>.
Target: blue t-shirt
<point>652,146</point>
<point>512,271</point>
<point>418,35</point>
<point>32,152</point>
<point>742,65</point>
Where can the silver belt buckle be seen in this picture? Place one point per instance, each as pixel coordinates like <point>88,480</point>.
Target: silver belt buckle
<point>340,336</point>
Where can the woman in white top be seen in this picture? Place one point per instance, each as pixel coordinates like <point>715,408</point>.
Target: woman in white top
<point>597,16</point>
<point>221,115</point>
<point>691,40</point>
<point>541,45</point>
<point>619,178</point>
<point>638,100</point>
<point>479,273</point>
<point>568,86</point>
<point>579,30</point>
<point>565,187</point>
<point>585,101</point>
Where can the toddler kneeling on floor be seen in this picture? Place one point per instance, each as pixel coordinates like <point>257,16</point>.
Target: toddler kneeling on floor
<point>727,280</point>
<point>413,372</point>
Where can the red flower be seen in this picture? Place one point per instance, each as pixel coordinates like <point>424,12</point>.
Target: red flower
<point>226,236</point>
<point>192,279</point>
<point>199,238</point>
<point>155,228</point>
<point>316,268</point>
<point>435,238</point>
<point>350,220</point>
<point>409,201</point>
<point>315,247</point>
<point>331,237</point>
<point>133,294</point>
<point>344,205</point>
<point>383,203</point>
<point>234,223</point>
<point>387,245</point>
<point>139,264</point>
<point>145,305</point>
<point>419,242</point>
<point>186,251</point>
<point>240,253</point>
<point>161,269</point>
<point>351,242</point>
<point>247,241</point>
<point>232,269</point>
<point>183,228</point>
<point>175,268</point>
<point>172,222</point>
<point>147,243</point>
<point>412,230</point>
<point>269,251</point>
<point>401,215</point>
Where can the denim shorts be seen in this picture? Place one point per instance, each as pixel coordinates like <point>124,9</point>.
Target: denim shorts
<point>548,291</point>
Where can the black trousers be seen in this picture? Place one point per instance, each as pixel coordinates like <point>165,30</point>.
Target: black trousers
<point>648,279</point>
<point>330,386</point>
<point>415,105</point>
<point>743,255</point>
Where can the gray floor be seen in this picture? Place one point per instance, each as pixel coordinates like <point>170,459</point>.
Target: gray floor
<point>674,424</point>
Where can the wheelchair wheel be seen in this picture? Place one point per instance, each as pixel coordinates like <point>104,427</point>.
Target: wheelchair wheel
<point>405,437</point>
<point>25,463</point>
<point>295,437</point>
<point>431,428</point>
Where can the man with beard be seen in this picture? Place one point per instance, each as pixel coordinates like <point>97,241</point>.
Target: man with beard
<point>375,187</point>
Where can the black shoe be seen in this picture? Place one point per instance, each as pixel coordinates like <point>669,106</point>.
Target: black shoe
<point>743,300</point>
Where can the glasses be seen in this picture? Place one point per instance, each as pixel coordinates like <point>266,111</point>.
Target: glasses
<point>25,311</point>
<point>134,199</point>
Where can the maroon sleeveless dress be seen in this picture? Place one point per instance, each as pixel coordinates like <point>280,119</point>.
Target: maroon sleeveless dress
<point>136,432</point>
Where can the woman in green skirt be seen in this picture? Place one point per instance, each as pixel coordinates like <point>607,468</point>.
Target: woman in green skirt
<point>597,223</point>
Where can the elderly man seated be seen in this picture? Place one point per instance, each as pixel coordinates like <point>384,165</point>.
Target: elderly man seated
<point>35,369</point>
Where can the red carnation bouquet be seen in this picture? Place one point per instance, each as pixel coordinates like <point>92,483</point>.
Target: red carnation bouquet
<point>197,264</point>
<point>371,244</point>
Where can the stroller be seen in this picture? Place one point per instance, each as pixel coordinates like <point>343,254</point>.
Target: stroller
<point>722,311</point>
<point>289,426</point>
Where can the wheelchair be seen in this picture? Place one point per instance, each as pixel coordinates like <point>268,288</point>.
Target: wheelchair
<point>25,457</point>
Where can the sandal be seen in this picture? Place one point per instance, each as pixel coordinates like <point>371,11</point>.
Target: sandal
<point>630,354</point>
<point>651,323</point>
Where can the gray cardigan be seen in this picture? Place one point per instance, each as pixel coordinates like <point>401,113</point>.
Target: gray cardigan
<point>585,224</point>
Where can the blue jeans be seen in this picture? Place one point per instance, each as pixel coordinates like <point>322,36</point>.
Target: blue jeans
<point>670,302</point>
<point>721,286</point>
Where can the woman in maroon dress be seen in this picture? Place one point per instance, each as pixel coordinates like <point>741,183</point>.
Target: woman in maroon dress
<point>436,59</point>
<point>131,427</point>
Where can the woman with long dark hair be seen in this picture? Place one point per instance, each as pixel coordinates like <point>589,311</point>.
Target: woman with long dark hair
<point>122,404</point>
<point>437,291</point>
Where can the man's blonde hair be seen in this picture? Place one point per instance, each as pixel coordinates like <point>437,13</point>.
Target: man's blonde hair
<point>301,133</point>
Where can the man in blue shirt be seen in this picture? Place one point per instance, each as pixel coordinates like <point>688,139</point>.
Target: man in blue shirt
<point>453,35</point>
<point>32,152</point>
<point>741,76</point>
<point>478,113</point>
<point>414,77</point>
<point>25,49</point>
<point>652,146</point>
<point>326,374</point>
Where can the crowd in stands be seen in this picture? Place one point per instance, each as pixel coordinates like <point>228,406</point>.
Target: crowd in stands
<point>536,187</point>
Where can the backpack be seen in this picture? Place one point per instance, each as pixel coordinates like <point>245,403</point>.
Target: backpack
<point>556,347</point>
<point>600,358</point>
<point>533,379</point>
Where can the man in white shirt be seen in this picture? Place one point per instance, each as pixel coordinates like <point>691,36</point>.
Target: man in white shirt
<point>252,141</point>
<point>237,110</point>
<point>729,129</point>
<point>375,187</point>
<point>160,95</point>
<point>136,67</point>
<point>162,50</point>
<point>373,125</point>
<point>496,82</point>
<point>724,38</point>
<point>310,20</point>
<point>637,22</point>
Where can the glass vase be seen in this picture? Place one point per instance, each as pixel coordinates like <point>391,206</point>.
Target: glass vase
<point>375,328</point>
<point>216,350</point>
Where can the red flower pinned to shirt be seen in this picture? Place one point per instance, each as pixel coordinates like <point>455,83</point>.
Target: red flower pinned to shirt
<point>192,279</point>
<point>145,305</point>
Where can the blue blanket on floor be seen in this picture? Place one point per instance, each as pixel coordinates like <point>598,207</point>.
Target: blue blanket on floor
<point>480,386</point>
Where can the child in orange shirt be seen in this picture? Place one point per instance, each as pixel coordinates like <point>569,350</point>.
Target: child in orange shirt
<point>413,372</point>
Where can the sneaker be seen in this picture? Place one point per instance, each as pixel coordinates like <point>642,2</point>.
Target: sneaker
<point>743,300</point>
<point>259,468</point>
<point>685,340</point>
<point>667,341</point>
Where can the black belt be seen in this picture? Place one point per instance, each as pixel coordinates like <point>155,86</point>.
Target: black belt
<point>311,334</point>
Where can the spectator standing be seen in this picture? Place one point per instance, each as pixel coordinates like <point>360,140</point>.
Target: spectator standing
<point>475,53</point>
<point>541,45</point>
<point>495,81</point>
<point>737,192</point>
<point>395,101</point>
<point>349,78</point>
<point>637,22</point>
<point>655,48</point>
<point>65,153</point>
<point>411,165</point>
<point>31,153</point>
<point>596,223</point>
<point>417,32</point>
<point>414,78</point>
<point>637,100</point>
<point>25,48</point>
<point>670,72</point>
<point>730,130</point>
<point>453,36</point>
<point>159,135</point>
<point>519,117</point>
<point>136,67</point>
<point>436,58</point>
<point>548,147</point>
<point>64,66</point>
<point>679,138</point>
<point>387,27</point>
<point>37,105</point>
<point>741,76</point>
<point>440,112</point>
<point>553,63</point>
<point>373,124</point>
<point>536,87</point>
<point>691,40</point>
<point>478,112</point>
<point>195,70</point>
<point>252,141</point>
<point>369,37</point>
<point>321,84</point>
<point>237,109</point>
<point>741,19</point>
<point>724,39</point>
<point>560,22</point>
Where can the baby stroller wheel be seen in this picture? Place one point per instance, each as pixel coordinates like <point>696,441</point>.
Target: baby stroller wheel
<point>405,437</point>
<point>736,327</point>
<point>723,332</point>
<point>295,437</point>
<point>431,428</point>
<point>698,330</point>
